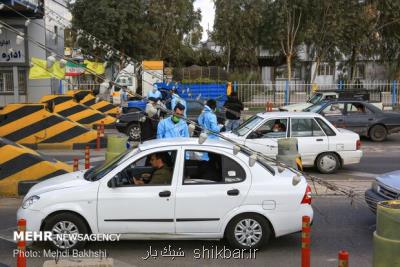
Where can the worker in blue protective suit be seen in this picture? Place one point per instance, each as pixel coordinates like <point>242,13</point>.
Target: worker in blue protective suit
<point>208,119</point>
<point>155,93</point>
<point>173,126</point>
<point>175,99</point>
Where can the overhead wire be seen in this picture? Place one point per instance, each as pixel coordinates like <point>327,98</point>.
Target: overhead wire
<point>243,148</point>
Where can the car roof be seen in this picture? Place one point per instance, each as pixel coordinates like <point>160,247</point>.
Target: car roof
<point>157,143</point>
<point>285,114</point>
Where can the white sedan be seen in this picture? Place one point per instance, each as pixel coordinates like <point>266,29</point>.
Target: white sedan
<point>187,191</point>
<point>320,144</point>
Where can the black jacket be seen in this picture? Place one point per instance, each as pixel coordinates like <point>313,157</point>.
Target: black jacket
<point>234,106</point>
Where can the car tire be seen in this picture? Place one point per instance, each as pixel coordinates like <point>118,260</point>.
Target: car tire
<point>328,163</point>
<point>66,223</point>
<point>257,234</point>
<point>378,133</point>
<point>134,132</point>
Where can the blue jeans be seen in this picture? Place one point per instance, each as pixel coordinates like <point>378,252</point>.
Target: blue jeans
<point>231,124</point>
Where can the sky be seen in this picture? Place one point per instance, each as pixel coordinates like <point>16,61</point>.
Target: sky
<point>207,15</point>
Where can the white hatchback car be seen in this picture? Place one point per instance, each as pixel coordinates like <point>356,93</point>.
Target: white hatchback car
<point>320,144</point>
<point>209,193</point>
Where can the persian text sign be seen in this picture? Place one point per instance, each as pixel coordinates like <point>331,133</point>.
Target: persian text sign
<point>10,51</point>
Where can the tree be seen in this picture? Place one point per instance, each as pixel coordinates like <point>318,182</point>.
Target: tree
<point>387,34</point>
<point>355,39</point>
<point>142,29</point>
<point>283,28</point>
<point>236,30</point>
<point>322,30</point>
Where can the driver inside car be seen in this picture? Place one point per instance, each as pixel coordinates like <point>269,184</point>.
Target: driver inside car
<point>162,174</point>
<point>279,126</point>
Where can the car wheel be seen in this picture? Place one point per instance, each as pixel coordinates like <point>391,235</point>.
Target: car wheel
<point>248,231</point>
<point>65,223</point>
<point>378,133</point>
<point>134,132</point>
<point>328,163</point>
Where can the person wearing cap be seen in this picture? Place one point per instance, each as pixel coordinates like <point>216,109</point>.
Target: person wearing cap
<point>173,126</point>
<point>175,99</point>
<point>155,93</point>
<point>208,119</point>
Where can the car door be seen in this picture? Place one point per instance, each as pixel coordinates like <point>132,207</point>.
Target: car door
<point>264,138</point>
<point>335,114</point>
<point>210,189</point>
<point>130,208</point>
<point>358,118</point>
<point>311,139</point>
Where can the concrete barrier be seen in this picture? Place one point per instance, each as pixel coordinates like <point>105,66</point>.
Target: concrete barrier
<point>35,126</point>
<point>22,167</point>
<point>66,106</point>
<point>387,234</point>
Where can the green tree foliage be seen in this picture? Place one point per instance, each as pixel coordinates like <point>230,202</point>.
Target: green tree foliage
<point>236,30</point>
<point>142,29</point>
<point>283,28</point>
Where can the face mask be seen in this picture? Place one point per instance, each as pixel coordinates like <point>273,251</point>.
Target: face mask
<point>275,130</point>
<point>175,119</point>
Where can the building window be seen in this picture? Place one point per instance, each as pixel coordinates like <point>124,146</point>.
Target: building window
<point>282,73</point>
<point>325,69</point>
<point>55,35</point>
<point>7,81</point>
<point>360,71</point>
<point>22,80</point>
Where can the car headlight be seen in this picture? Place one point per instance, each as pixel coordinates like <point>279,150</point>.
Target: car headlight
<point>27,203</point>
<point>117,121</point>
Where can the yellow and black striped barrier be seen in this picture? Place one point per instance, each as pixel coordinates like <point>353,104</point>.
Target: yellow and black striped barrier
<point>34,126</point>
<point>85,97</point>
<point>65,106</point>
<point>20,167</point>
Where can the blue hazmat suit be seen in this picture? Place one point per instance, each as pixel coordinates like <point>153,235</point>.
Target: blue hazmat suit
<point>208,120</point>
<point>168,129</point>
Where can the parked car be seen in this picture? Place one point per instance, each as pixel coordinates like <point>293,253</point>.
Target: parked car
<point>361,117</point>
<point>250,202</point>
<point>322,96</point>
<point>385,187</point>
<point>320,144</point>
<point>134,123</point>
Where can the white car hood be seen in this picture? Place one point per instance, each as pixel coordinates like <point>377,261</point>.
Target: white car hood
<point>233,136</point>
<point>297,107</point>
<point>59,182</point>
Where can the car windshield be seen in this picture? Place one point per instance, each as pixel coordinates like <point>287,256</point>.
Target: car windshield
<point>315,99</point>
<point>314,108</point>
<point>248,125</point>
<point>96,173</point>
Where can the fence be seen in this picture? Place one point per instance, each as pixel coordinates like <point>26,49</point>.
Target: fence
<point>255,95</point>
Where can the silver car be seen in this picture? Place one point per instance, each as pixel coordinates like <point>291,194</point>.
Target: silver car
<point>385,187</point>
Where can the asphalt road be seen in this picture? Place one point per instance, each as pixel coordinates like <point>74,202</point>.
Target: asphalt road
<point>337,225</point>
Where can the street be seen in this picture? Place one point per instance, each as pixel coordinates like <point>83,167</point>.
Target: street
<point>337,225</point>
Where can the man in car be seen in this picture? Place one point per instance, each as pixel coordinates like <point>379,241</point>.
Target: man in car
<point>162,174</point>
<point>278,126</point>
<point>173,126</point>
